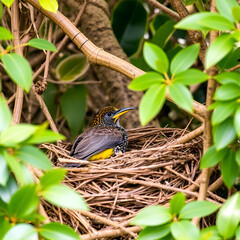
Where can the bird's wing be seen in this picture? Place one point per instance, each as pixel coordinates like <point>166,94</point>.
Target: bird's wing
<point>95,141</point>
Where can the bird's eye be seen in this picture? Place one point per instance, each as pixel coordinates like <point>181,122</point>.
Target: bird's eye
<point>109,114</point>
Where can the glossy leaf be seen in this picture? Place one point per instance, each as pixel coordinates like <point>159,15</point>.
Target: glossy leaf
<point>42,44</point>
<point>223,111</point>
<point>49,5</point>
<point>225,8</point>
<point>4,226</point>
<point>236,13</point>
<point>228,216</point>
<point>237,235</point>
<point>16,134</point>
<point>24,202</point>
<point>151,103</point>
<point>229,169</point>
<point>5,34</point>
<point>216,21</point>
<point>190,76</point>
<point>7,191</point>
<point>185,230</point>
<point>236,121</point>
<point>152,216</point>
<point>189,2</point>
<point>219,48</point>
<point>181,96</point>
<point>154,232</point>
<point>55,230</point>
<point>5,115</point>
<point>63,196</point>
<point>228,77</point>
<point>129,23</point>
<point>52,177</point>
<point>73,102</point>
<point>72,67</point>
<point>227,92</point>
<point>146,80</point>
<point>177,202</point>
<point>198,209</point>
<point>212,157</point>
<point>230,60</point>
<point>21,231</point>
<point>33,156</point>
<point>210,233</point>
<point>224,134</point>
<point>163,33</point>
<point>237,155</point>
<point>155,57</point>
<point>8,3</point>
<point>4,172</point>
<point>184,59</point>
<point>19,69</point>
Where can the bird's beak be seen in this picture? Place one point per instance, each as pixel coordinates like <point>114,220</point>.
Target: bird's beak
<point>120,112</point>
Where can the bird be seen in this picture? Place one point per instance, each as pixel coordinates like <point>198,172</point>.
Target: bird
<point>105,139</point>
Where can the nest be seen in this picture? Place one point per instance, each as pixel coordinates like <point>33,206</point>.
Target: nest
<point>153,169</point>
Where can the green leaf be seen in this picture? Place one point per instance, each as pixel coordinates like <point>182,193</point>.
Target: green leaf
<point>236,13</point>
<point>24,202</point>
<point>237,155</point>
<point>190,76</point>
<point>223,111</point>
<point>216,21</point>
<point>155,57</point>
<point>210,233</point>
<point>181,96</point>
<point>16,134</point>
<point>19,69</point>
<point>146,80</point>
<point>189,2</point>
<point>212,157</point>
<point>193,22</point>
<point>8,3</point>
<point>7,191</point>
<point>229,169</point>
<point>5,34</point>
<point>21,231</point>
<point>184,59</point>
<point>152,216</point>
<point>154,232</point>
<point>225,8</point>
<point>151,103</point>
<point>219,48</point>
<point>236,121</point>
<point>34,156</point>
<point>4,172</point>
<point>198,209</point>
<point>129,19</point>
<point>230,60</point>
<point>163,33</point>
<point>74,101</point>
<point>227,92</point>
<point>228,216</point>
<point>52,177</point>
<point>72,67</point>
<point>228,77</point>
<point>185,230</point>
<point>177,202</point>
<point>16,167</point>
<point>49,5</point>
<point>236,35</point>
<point>1,10</point>
<point>5,115</point>
<point>224,134</point>
<point>42,44</point>
<point>4,226</point>
<point>55,230</point>
<point>237,235</point>
<point>63,196</point>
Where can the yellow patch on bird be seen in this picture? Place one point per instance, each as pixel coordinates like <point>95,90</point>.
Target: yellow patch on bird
<point>102,155</point>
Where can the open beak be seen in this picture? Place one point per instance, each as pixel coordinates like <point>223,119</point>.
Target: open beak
<point>121,112</point>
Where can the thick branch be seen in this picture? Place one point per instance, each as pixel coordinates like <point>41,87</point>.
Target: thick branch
<point>98,56</point>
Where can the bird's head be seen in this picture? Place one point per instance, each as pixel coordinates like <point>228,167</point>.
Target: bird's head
<point>109,116</point>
